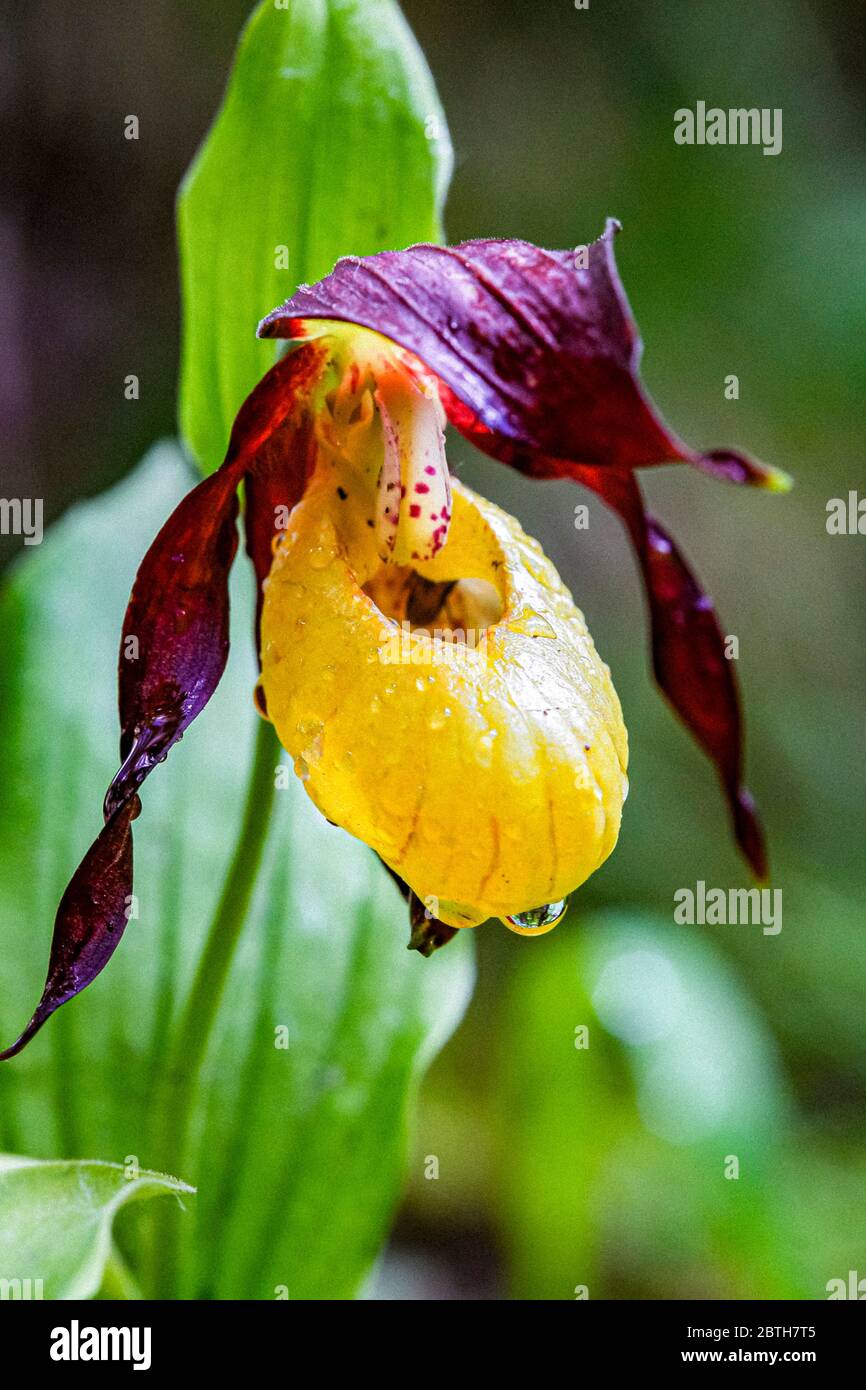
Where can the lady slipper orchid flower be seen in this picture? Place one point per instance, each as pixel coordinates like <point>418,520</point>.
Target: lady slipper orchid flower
<point>421,660</point>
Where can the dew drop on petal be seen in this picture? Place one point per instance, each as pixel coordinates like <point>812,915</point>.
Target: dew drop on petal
<point>537,920</point>
<point>320,558</point>
<point>531,624</point>
<point>484,748</point>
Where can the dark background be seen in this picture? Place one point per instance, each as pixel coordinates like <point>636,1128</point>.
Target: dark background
<point>735,263</point>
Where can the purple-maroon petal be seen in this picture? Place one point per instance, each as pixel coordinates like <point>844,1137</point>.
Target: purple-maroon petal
<point>90,920</point>
<point>688,652</point>
<point>271,490</point>
<point>173,652</point>
<point>175,637</point>
<point>535,353</point>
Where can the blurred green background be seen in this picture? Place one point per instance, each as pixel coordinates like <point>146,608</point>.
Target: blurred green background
<point>561,1167</point>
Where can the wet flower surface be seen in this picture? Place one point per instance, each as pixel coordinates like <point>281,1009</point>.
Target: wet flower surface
<point>490,777</point>
<point>489,773</point>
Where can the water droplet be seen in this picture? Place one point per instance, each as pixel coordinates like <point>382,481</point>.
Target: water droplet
<point>537,920</point>
<point>531,624</point>
<point>484,748</point>
<point>319,558</point>
<point>312,733</point>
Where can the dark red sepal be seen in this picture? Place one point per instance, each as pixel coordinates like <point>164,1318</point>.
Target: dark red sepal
<point>532,349</point>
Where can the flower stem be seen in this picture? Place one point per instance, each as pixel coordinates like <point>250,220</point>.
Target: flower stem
<point>192,1035</point>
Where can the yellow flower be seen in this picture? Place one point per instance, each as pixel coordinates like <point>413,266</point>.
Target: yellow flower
<point>422,661</point>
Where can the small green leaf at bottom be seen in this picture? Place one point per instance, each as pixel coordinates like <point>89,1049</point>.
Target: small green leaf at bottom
<point>56,1219</point>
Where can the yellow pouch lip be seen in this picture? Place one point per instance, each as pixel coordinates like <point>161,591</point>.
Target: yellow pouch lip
<point>421,795</point>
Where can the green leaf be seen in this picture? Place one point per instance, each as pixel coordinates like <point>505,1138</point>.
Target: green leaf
<point>297,1153</point>
<point>330,142</point>
<point>56,1222</point>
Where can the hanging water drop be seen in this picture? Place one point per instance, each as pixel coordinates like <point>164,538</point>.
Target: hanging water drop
<point>537,920</point>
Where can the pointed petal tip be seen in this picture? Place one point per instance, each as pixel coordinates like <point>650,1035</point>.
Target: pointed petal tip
<point>777,480</point>
<point>750,834</point>
<point>427,940</point>
<point>90,922</point>
<point>423,948</point>
<point>427,933</point>
<point>41,1016</point>
<point>735,467</point>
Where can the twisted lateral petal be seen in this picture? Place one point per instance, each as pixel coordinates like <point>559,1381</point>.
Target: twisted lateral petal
<point>175,635</point>
<point>173,653</point>
<point>533,351</point>
<point>90,920</point>
<point>688,652</point>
